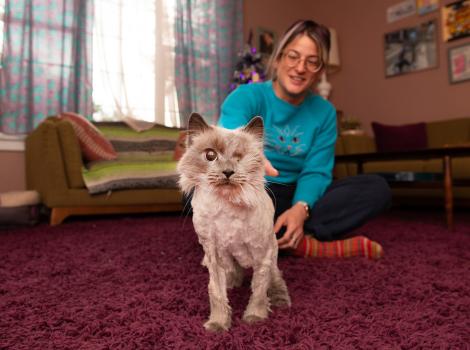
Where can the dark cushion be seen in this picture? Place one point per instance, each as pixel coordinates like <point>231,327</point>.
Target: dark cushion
<point>407,137</point>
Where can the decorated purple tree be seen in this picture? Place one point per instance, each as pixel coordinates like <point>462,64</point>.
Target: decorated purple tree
<point>249,68</point>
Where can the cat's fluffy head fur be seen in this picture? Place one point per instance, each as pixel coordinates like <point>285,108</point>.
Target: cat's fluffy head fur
<point>226,163</point>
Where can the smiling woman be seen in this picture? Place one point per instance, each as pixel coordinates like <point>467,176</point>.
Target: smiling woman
<point>300,136</point>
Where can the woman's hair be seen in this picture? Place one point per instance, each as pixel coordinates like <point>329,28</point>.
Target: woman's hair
<point>317,32</point>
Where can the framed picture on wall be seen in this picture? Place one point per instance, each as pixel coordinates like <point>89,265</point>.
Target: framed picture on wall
<point>459,63</point>
<point>456,20</point>
<point>401,10</point>
<point>411,49</point>
<point>426,6</point>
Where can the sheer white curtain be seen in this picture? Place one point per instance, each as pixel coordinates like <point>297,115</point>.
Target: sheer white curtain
<point>133,69</point>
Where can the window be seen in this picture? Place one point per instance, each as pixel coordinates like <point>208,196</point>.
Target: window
<point>133,62</point>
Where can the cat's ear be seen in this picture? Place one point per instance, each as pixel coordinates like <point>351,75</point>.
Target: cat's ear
<point>196,125</point>
<point>255,127</point>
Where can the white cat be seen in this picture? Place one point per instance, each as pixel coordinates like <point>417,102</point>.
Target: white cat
<point>233,216</point>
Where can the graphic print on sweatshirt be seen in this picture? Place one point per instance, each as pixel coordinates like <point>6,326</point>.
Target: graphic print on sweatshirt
<point>285,141</point>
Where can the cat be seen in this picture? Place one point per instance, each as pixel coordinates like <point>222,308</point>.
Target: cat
<point>233,217</point>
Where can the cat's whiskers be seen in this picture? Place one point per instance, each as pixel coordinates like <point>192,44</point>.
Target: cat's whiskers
<point>273,197</point>
<point>185,207</point>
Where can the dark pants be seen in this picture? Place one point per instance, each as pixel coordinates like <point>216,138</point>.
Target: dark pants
<point>346,204</point>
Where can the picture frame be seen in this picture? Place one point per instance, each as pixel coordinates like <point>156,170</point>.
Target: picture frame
<point>426,6</point>
<point>266,39</point>
<point>401,10</point>
<point>411,49</point>
<point>459,63</point>
<point>456,20</point>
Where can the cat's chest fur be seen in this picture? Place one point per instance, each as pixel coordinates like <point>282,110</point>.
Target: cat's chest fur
<point>239,232</point>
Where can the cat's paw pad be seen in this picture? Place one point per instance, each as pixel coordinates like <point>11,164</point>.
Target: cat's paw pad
<point>215,326</point>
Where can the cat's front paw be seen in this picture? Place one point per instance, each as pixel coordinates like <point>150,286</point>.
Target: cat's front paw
<point>256,312</point>
<point>216,326</point>
<point>253,318</point>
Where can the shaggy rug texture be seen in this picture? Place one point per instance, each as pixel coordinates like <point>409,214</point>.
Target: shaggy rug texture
<point>137,283</point>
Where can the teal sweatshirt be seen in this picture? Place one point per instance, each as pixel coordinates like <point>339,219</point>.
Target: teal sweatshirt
<point>299,140</point>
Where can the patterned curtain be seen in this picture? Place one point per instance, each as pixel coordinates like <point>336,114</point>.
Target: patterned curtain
<point>209,35</point>
<point>46,63</point>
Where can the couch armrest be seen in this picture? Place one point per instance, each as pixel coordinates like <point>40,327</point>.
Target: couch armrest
<point>45,168</point>
<point>353,144</point>
<point>71,151</point>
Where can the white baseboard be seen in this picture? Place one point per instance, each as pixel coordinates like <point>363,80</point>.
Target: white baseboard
<point>12,142</point>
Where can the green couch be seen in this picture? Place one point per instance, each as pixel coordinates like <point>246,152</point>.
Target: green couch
<point>54,168</point>
<point>439,134</point>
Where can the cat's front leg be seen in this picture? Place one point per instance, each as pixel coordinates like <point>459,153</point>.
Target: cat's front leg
<point>221,314</point>
<point>258,306</point>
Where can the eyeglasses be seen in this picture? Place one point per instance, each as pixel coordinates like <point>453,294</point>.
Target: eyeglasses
<point>312,64</point>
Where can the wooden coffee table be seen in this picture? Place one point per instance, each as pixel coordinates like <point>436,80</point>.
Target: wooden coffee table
<point>445,153</point>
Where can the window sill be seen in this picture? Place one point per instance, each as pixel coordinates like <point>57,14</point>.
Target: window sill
<point>12,142</point>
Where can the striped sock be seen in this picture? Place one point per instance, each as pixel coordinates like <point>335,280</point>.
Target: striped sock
<point>355,246</point>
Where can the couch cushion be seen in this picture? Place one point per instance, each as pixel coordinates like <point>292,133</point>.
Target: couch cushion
<point>407,137</point>
<point>114,175</point>
<point>93,144</point>
<point>448,132</point>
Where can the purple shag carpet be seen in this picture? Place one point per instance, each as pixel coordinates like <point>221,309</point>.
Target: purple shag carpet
<point>136,283</point>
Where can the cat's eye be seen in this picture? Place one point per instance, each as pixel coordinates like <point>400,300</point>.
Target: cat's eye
<point>295,139</point>
<point>211,155</point>
<point>281,138</point>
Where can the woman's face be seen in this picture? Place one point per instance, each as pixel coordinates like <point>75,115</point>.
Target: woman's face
<point>296,69</point>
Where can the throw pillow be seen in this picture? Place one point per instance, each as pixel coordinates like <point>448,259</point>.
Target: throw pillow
<point>180,146</point>
<point>157,143</point>
<point>389,138</point>
<point>92,142</point>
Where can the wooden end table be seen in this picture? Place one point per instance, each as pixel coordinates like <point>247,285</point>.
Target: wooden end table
<point>447,183</point>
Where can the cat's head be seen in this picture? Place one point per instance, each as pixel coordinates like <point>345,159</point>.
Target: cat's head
<point>228,163</point>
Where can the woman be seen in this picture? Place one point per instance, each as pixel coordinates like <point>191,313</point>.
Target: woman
<point>300,136</point>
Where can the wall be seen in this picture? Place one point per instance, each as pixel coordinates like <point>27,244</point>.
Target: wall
<point>12,171</point>
<point>360,88</point>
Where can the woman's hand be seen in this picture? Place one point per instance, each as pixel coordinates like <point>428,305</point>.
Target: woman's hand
<point>269,169</point>
<point>293,219</point>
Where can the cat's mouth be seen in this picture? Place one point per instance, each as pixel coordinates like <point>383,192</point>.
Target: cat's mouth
<point>227,183</point>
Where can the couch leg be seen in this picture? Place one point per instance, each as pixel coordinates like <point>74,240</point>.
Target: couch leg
<point>58,215</point>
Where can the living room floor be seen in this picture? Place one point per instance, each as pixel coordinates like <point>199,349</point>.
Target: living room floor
<point>136,282</point>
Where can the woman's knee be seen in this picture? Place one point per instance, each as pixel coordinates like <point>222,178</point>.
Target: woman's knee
<point>379,190</point>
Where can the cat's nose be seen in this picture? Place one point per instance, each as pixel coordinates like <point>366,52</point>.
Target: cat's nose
<point>228,173</point>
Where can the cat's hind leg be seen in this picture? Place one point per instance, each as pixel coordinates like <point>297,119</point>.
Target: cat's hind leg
<point>277,291</point>
<point>258,306</point>
<point>235,275</point>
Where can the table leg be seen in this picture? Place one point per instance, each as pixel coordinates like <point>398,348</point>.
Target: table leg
<point>449,200</point>
<point>360,167</point>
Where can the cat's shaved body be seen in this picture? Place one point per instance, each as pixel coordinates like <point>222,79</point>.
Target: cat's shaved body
<point>233,216</point>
